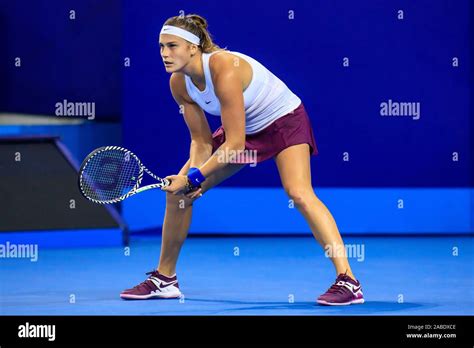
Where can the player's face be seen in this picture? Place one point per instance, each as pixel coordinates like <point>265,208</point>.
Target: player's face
<point>175,52</point>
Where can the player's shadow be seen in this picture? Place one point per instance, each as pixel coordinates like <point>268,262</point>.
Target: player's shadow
<point>369,307</point>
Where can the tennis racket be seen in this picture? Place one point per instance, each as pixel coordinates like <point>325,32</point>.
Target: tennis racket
<point>111,174</point>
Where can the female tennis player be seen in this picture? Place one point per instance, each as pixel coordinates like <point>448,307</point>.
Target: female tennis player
<point>259,115</point>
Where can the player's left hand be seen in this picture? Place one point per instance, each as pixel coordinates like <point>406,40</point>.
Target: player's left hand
<point>178,184</point>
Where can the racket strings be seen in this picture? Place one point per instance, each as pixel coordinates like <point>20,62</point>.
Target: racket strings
<point>110,175</point>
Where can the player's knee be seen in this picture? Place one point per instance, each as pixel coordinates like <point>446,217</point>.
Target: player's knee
<point>301,196</point>
<point>177,201</point>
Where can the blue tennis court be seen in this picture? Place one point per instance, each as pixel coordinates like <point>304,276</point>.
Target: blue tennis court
<point>270,276</point>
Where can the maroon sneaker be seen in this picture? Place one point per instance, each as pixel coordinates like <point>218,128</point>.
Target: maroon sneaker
<point>156,286</point>
<point>344,291</point>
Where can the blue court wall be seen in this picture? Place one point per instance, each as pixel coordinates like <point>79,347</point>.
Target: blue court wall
<point>54,50</point>
<point>377,173</point>
<point>424,58</point>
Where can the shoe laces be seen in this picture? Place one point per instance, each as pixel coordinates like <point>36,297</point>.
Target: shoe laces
<point>146,282</point>
<point>338,286</point>
<point>151,272</point>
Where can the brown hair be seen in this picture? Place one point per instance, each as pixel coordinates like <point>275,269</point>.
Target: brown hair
<point>198,26</point>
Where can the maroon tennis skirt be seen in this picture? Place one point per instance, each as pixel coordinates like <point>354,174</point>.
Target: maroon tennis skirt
<point>292,129</point>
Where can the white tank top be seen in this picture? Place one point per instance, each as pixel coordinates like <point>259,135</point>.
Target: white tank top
<point>266,98</point>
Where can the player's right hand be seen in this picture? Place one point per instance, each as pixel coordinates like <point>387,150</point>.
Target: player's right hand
<point>194,193</point>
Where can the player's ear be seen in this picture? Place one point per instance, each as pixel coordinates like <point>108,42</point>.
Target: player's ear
<point>194,49</point>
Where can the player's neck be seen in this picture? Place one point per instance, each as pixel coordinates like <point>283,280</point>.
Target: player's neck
<point>194,69</point>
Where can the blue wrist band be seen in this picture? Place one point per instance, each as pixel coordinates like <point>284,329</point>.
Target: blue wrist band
<point>192,169</point>
<point>195,177</point>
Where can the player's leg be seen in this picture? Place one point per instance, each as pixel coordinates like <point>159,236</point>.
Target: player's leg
<point>294,169</point>
<point>178,218</point>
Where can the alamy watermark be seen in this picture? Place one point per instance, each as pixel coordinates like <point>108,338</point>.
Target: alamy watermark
<point>84,109</point>
<point>19,251</point>
<point>354,251</point>
<point>237,156</point>
<point>28,330</point>
<point>405,109</point>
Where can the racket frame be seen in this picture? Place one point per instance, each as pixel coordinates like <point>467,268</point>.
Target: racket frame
<point>135,189</point>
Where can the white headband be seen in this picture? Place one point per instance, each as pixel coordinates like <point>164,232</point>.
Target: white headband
<point>172,30</point>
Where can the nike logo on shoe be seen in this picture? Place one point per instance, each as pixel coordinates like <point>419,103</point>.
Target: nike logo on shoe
<point>350,286</point>
<point>163,285</point>
<point>160,284</point>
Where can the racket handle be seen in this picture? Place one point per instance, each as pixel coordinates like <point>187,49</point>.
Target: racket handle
<point>166,182</point>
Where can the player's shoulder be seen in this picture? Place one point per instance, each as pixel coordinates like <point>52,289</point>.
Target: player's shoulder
<point>178,86</point>
<point>221,61</point>
<point>177,81</point>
